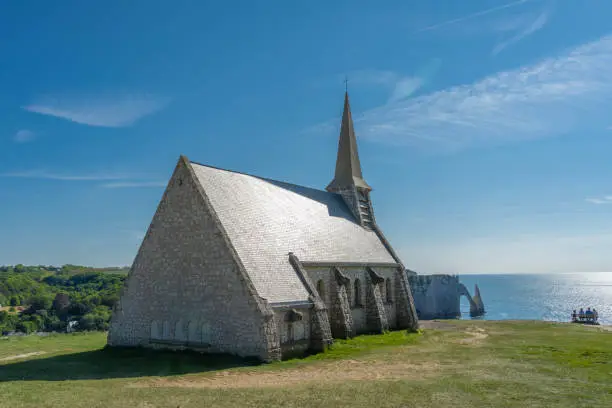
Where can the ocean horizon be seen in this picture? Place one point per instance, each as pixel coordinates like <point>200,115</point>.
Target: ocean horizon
<point>547,297</point>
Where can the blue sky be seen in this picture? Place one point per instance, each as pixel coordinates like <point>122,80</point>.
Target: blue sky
<point>484,125</point>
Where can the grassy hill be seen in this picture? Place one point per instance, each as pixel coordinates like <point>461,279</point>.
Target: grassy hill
<point>449,364</point>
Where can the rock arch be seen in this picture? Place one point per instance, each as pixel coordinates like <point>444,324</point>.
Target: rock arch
<point>476,306</point>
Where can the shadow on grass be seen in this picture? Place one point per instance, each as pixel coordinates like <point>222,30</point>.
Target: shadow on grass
<point>118,363</point>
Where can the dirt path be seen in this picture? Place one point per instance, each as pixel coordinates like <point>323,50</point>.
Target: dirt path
<point>603,327</point>
<point>324,373</point>
<point>477,334</point>
<point>18,356</point>
<point>436,325</point>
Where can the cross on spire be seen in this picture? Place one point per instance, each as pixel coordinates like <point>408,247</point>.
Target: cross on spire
<point>345,83</point>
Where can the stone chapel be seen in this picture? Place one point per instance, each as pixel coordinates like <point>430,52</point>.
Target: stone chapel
<point>239,264</point>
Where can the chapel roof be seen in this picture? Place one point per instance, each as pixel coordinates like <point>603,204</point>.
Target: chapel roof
<point>265,220</point>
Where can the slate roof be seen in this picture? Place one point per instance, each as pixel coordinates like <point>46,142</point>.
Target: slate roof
<point>267,219</point>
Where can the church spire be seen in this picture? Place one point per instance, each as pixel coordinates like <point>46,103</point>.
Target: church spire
<point>348,168</point>
<point>348,180</point>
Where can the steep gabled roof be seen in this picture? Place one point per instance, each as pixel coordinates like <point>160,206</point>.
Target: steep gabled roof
<point>266,219</point>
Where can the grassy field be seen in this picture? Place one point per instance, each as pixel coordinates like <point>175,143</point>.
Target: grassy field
<point>448,364</point>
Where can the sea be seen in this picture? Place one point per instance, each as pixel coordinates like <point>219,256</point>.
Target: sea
<point>550,297</point>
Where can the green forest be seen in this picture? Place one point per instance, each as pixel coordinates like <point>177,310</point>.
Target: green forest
<point>49,298</point>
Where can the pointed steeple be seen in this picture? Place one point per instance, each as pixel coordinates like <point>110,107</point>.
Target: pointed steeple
<point>348,180</point>
<point>348,169</point>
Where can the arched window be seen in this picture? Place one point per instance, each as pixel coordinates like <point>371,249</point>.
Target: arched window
<point>166,330</point>
<point>179,331</point>
<point>357,291</point>
<point>155,330</point>
<point>389,290</point>
<point>192,332</point>
<point>321,289</point>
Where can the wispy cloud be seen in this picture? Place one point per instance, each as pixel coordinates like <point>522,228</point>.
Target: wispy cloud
<point>105,111</point>
<point>404,88</point>
<point>41,174</point>
<point>399,86</point>
<point>526,26</point>
<point>473,15</point>
<point>112,180</point>
<point>552,97</point>
<point>600,200</point>
<point>135,184</point>
<point>24,136</point>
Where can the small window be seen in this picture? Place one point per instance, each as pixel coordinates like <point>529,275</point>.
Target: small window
<point>389,290</point>
<point>321,289</point>
<point>357,296</point>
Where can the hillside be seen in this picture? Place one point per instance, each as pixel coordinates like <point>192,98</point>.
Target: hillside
<point>450,364</point>
<point>47,298</point>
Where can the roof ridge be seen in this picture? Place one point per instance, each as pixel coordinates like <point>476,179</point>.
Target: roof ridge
<point>260,177</point>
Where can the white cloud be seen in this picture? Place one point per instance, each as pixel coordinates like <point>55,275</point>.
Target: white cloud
<point>518,26</point>
<point>106,111</point>
<point>601,200</point>
<point>524,28</point>
<point>135,184</point>
<point>552,97</point>
<point>473,15</point>
<point>41,174</point>
<point>399,86</point>
<point>114,180</point>
<point>24,136</point>
<point>404,88</point>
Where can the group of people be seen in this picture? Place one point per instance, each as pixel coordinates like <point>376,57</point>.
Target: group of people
<point>581,316</point>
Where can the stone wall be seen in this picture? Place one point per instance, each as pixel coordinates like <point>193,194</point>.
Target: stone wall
<point>187,288</point>
<point>294,326</point>
<point>357,302</point>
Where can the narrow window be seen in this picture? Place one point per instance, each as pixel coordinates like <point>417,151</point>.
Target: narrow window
<point>290,334</point>
<point>357,296</point>
<point>321,289</point>
<point>166,330</point>
<point>155,330</point>
<point>389,290</point>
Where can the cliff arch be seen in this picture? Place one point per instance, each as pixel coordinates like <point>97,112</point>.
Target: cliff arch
<point>476,307</point>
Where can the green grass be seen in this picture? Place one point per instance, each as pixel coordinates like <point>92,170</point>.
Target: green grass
<point>469,364</point>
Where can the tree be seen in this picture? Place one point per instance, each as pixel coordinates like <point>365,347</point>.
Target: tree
<point>40,302</point>
<point>61,302</point>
